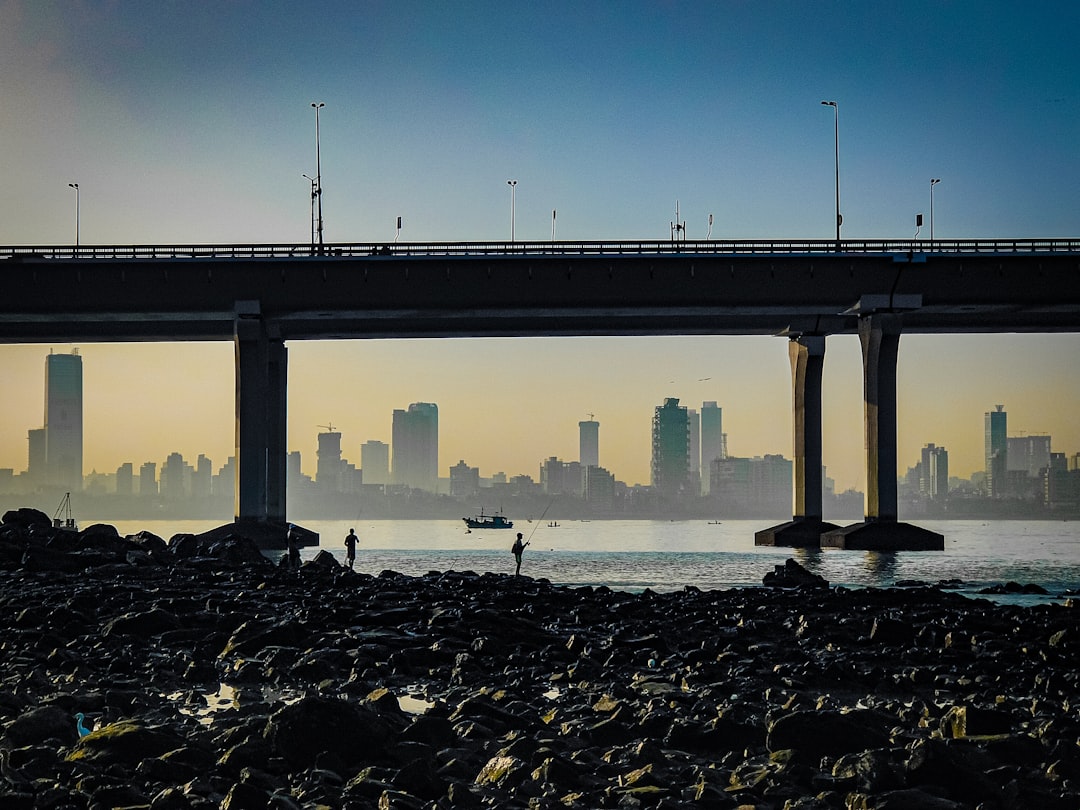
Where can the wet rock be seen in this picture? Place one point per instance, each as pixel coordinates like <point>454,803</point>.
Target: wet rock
<point>124,742</point>
<point>312,726</point>
<point>793,575</point>
<point>828,733</point>
<point>38,725</point>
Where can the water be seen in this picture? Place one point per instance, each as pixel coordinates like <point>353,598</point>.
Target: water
<point>668,555</point>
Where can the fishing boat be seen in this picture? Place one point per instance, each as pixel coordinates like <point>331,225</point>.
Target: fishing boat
<point>482,521</point>
<point>62,518</point>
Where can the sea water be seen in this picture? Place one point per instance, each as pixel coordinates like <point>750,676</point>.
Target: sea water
<point>669,555</point>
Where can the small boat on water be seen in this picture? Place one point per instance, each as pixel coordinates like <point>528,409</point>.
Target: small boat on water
<point>482,521</point>
<point>62,518</point>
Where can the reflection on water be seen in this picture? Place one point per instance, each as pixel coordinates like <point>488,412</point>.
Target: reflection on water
<point>881,566</point>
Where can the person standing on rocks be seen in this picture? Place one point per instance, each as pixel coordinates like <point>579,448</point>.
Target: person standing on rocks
<point>516,549</point>
<point>350,547</point>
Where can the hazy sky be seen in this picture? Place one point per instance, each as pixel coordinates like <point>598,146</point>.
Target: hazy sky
<point>190,122</point>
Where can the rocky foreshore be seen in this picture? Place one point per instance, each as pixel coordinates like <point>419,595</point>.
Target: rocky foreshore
<point>197,673</point>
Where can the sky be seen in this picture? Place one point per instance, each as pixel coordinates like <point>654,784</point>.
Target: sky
<point>191,122</point>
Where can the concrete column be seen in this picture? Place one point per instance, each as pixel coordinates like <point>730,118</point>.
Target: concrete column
<point>880,338</point>
<point>879,334</point>
<point>252,412</point>
<point>807,355</point>
<point>277,430</point>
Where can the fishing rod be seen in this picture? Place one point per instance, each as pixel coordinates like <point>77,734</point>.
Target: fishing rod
<point>541,520</point>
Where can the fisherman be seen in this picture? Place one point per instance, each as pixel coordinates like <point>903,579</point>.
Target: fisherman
<point>516,549</point>
<point>293,549</point>
<point>350,547</point>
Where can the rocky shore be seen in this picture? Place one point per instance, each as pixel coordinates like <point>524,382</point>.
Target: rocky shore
<point>197,673</point>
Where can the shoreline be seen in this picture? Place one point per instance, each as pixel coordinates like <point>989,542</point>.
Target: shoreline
<point>523,694</point>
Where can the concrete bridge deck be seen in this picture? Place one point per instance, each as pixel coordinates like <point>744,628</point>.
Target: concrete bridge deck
<point>89,293</point>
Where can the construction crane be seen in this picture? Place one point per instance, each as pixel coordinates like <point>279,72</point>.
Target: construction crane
<point>328,428</point>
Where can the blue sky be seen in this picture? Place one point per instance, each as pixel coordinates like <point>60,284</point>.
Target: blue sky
<point>191,122</point>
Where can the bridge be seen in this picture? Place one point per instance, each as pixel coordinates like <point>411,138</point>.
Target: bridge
<point>260,296</point>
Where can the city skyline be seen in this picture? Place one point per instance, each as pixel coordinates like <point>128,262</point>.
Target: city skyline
<point>175,123</point>
<point>565,437</point>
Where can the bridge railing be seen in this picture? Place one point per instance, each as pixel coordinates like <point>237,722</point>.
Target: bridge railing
<point>712,247</point>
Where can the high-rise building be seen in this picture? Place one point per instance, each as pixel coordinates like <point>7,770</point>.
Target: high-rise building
<point>328,461</point>
<point>934,472</point>
<point>712,439</point>
<point>375,462</point>
<point>35,467</point>
<point>125,479</point>
<point>1029,453</point>
<point>415,446</point>
<point>693,423</point>
<point>670,467</point>
<point>996,446</point>
<point>464,480</point>
<point>148,479</point>
<point>589,443</point>
<point>64,420</point>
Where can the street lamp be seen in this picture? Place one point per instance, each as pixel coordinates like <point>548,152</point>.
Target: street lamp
<point>76,187</point>
<point>513,193</point>
<point>318,170</point>
<point>311,214</point>
<point>933,182</point>
<point>839,219</point>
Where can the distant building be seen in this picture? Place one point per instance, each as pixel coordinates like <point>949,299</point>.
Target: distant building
<point>712,438</point>
<point>996,448</point>
<point>760,486</point>
<point>328,462</point>
<point>934,472</point>
<point>125,479</point>
<point>64,420</point>
<point>148,479</point>
<point>375,462</point>
<point>1029,453</point>
<point>36,466</point>
<point>464,480</point>
<point>589,443</point>
<point>202,478</point>
<point>175,477</point>
<point>599,486</point>
<point>670,468</point>
<point>415,447</point>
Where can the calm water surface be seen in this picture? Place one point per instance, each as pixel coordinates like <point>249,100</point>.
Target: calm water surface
<point>669,555</point>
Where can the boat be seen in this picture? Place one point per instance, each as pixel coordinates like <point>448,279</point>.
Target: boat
<point>62,518</point>
<point>482,521</point>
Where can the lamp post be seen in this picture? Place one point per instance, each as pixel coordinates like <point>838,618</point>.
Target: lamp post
<point>933,182</point>
<point>513,194</point>
<point>311,213</point>
<point>76,187</point>
<point>839,219</point>
<point>318,170</point>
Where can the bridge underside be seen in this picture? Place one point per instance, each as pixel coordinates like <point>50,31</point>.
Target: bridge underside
<point>262,301</point>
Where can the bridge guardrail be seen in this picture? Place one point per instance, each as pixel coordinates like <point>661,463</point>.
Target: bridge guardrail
<point>712,247</point>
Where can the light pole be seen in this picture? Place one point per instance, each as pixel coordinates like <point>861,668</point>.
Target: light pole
<point>933,182</point>
<point>513,194</point>
<point>311,213</point>
<point>839,219</point>
<point>76,187</point>
<point>318,169</point>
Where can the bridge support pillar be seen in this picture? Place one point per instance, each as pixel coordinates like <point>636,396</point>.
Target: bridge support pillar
<point>261,395</point>
<point>879,334</point>
<point>807,356</point>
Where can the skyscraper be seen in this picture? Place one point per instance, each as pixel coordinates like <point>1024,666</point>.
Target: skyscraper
<point>671,448</point>
<point>415,446</point>
<point>64,420</point>
<point>589,443</point>
<point>375,462</point>
<point>712,439</point>
<point>328,461</point>
<point>997,451</point>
